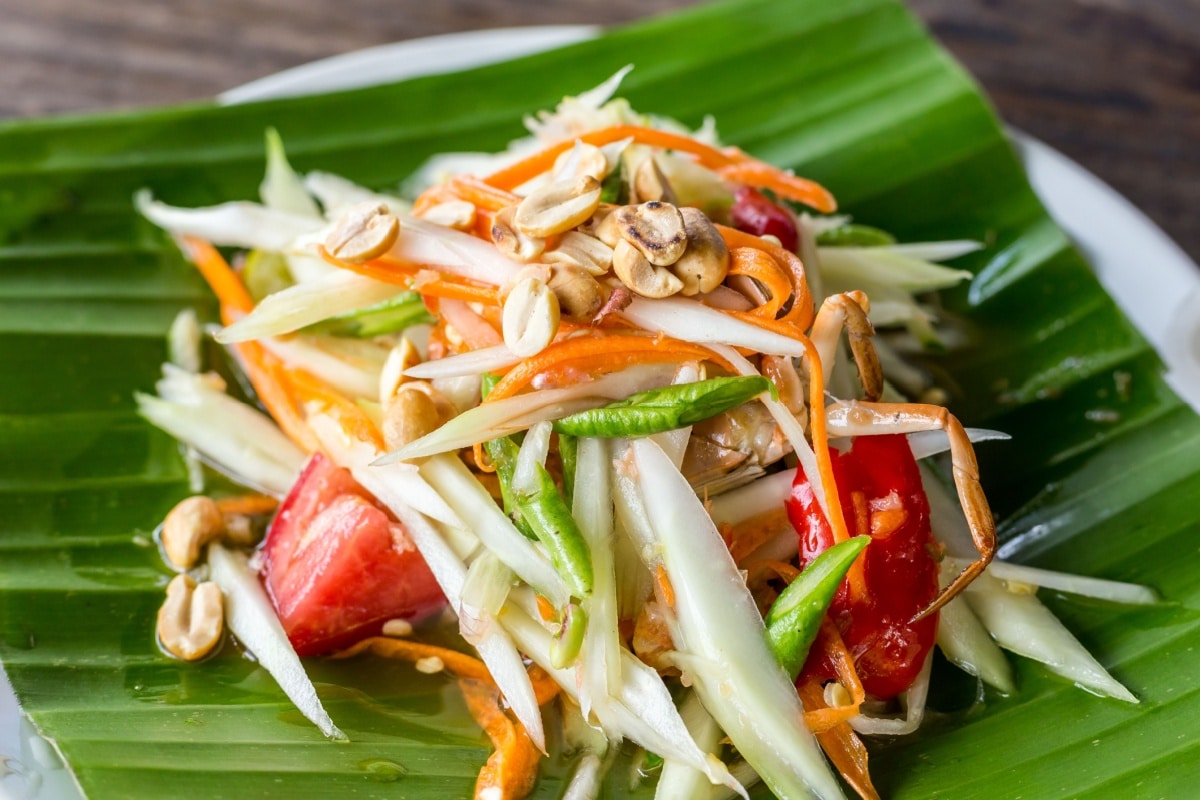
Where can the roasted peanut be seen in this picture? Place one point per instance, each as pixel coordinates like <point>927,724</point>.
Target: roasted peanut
<point>642,277</point>
<point>588,160</point>
<point>367,230</point>
<point>191,619</point>
<point>558,207</point>
<point>656,229</point>
<point>511,241</point>
<point>411,414</point>
<point>649,183</point>
<point>579,295</point>
<point>578,249</point>
<point>189,526</point>
<point>705,263</point>
<point>530,317</point>
<point>457,214</point>
<point>401,357</point>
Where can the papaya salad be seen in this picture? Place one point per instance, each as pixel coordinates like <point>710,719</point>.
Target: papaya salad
<point>613,403</point>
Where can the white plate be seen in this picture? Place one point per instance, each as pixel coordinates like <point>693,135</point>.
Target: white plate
<point>1152,279</point>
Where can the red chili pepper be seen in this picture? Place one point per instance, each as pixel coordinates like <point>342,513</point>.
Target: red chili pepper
<point>881,494</point>
<point>753,212</point>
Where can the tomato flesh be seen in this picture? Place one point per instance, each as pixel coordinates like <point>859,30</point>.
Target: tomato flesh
<point>880,490</point>
<point>753,212</point>
<point>337,566</point>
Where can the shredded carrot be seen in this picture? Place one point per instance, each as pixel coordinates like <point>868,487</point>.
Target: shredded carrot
<point>841,744</point>
<point>435,195</point>
<point>544,687</point>
<point>308,388</point>
<point>248,504</point>
<point>666,591</point>
<point>482,194</point>
<point>600,353</point>
<point>461,664</point>
<point>513,176</point>
<point>262,368</point>
<point>511,770</point>
<point>801,313</point>
<point>482,462</point>
<point>765,176</point>
<point>830,641</point>
<point>855,578</point>
<point>390,270</point>
<point>757,264</point>
<point>221,278</point>
<point>546,609</point>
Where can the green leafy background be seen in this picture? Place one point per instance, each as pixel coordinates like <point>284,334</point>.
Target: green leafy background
<point>851,93</point>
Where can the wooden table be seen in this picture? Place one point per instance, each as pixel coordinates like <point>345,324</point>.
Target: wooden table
<point>1115,84</point>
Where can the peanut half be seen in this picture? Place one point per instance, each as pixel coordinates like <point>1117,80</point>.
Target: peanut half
<point>192,619</point>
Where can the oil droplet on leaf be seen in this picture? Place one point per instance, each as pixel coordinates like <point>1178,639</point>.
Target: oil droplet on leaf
<point>383,770</point>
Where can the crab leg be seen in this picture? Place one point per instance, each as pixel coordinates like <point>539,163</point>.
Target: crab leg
<point>848,311</point>
<point>853,418</point>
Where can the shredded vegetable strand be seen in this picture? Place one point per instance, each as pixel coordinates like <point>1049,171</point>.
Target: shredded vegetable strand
<point>787,186</point>
<point>513,176</point>
<point>403,273</point>
<point>511,770</point>
<point>601,353</point>
<point>802,312</point>
<point>757,264</point>
<point>461,664</point>
<point>841,744</point>
<point>830,641</point>
<point>262,369</point>
<point>357,424</point>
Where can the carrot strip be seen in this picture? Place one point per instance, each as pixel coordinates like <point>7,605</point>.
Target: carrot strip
<point>544,687</point>
<point>511,769</point>
<point>461,664</point>
<point>219,276</point>
<point>482,194</point>
<point>513,176</point>
<point>842,745</point>
<point>801,312</point>
<point>401,273</point>
<point>602,353</point>
<point>764,176</point>
<point>261,368</point>
<point>855,578</point>
<point>785,571</point>
<point>830,641</point>
<point>247,504</point>
<point>666,591</point>
<point>308,388</point>
<point>757,264</point>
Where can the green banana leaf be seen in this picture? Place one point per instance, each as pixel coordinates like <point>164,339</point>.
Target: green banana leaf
<point>853,94</point>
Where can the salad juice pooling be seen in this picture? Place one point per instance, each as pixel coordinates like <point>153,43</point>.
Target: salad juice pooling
<point>598,402</point>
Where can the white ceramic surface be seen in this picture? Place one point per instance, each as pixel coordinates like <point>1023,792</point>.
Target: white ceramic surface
<point>1152,279</point>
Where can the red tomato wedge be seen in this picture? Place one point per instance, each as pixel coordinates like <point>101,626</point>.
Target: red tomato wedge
<point>337,566</point>
<point>879,485</point>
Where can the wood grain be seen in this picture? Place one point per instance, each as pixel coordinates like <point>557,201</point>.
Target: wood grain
<point>1114,84</point>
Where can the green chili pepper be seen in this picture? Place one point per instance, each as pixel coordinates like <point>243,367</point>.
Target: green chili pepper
<point>613,189</point>
<point>795,616</point>
<point>855,236</point>
<point>548,515</point>
<point>567,643</point>
<point>665,409</point>
<point>394,314</point>
<point>503,455</point>
<point>568,447</point>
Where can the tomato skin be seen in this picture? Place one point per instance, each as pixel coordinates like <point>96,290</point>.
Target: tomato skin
<point>880,490</point>
<point>337,567</point>
<point>753,212</point>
